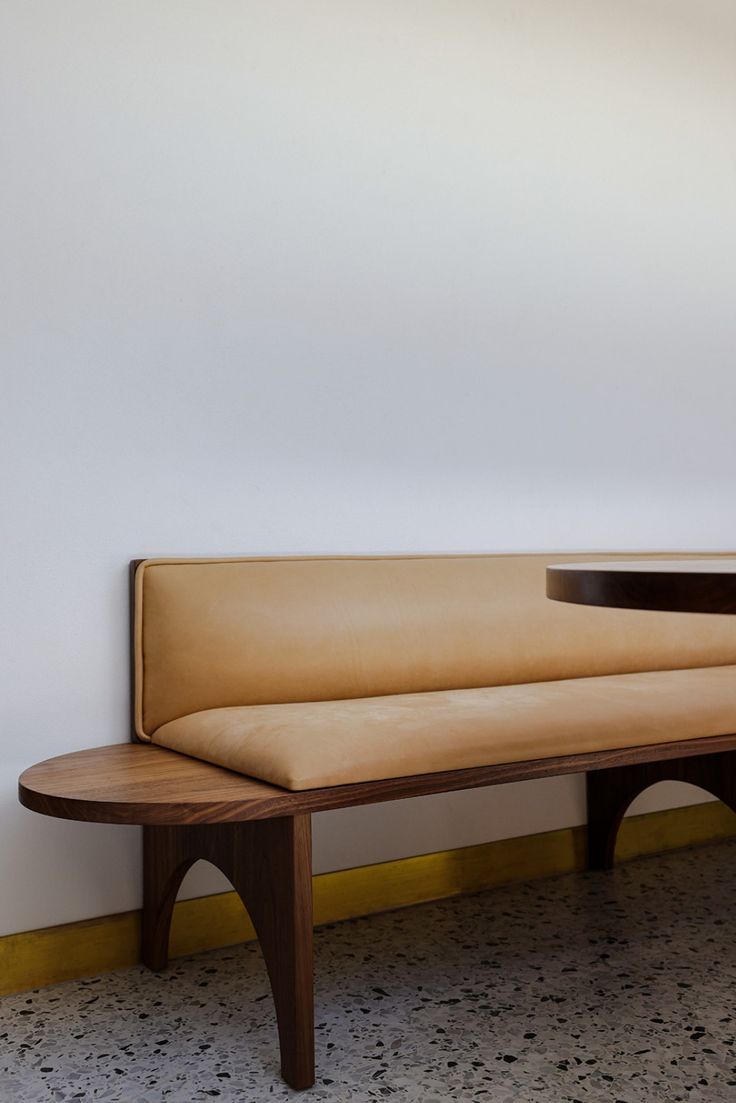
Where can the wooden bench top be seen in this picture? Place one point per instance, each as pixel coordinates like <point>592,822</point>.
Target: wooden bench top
<point>137,783</point>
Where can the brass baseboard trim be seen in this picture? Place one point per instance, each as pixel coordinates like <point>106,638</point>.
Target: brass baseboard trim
<point>33,959</point>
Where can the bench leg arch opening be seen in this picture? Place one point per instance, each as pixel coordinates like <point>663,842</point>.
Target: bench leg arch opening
<point>609,792</point>
<point>269,863</point>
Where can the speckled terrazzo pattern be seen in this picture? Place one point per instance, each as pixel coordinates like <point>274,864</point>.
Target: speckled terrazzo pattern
<point>598,988</point>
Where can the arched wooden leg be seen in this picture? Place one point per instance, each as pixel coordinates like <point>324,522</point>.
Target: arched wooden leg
<point>269,862</point>
<point>606,806</point>
<point>611,791</point>
<point>272,872</point>
<point>166,858</point>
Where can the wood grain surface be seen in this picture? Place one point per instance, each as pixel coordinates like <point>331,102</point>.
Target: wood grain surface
<point>137,783</point>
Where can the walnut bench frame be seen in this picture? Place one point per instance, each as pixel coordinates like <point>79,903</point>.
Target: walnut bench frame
<point>259,835</point>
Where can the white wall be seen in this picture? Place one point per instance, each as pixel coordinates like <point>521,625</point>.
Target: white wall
<point>346,276</point>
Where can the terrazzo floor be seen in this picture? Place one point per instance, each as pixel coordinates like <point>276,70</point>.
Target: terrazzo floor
<point>589,988</point>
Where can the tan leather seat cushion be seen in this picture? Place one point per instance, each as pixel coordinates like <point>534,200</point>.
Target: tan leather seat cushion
<point>308,745</point>
<point>211,634</point>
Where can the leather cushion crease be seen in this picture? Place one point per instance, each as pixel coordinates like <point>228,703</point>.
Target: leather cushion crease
<point>309,672</point>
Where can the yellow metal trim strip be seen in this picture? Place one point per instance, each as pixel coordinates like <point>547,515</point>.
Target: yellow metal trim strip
<point>33,959</point>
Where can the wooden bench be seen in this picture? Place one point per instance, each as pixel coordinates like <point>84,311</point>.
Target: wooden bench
<point>268,689</point>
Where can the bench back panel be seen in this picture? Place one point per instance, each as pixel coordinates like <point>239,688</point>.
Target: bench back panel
<point>216,633</point>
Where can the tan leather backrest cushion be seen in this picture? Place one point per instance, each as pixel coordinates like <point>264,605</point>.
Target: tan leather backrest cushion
<point>215,633</point>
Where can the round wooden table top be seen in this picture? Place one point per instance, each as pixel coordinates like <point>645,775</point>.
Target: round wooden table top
<point>668,585</point>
